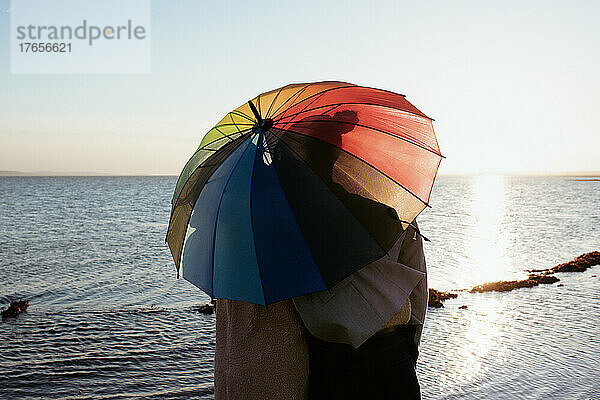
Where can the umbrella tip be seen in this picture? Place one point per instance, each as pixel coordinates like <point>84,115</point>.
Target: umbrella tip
<point>265,124</point>
<point>256,113</point>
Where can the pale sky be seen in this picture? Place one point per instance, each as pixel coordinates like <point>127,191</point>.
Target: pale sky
<point>513,86</point>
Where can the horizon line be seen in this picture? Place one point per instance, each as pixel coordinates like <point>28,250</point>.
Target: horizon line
<point>109,174</point>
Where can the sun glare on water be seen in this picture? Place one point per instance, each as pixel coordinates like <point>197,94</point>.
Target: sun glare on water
<point>478,332</point>
<point>488,247</point>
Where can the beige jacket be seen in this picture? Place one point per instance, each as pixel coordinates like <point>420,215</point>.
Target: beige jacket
<point>261,353</point>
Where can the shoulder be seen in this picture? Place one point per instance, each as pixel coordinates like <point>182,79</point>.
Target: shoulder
<point>411,252</point>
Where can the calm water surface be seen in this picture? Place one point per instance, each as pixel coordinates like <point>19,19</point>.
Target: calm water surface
<point>109,319</point>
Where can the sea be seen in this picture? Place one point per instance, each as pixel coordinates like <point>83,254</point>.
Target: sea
<point>108,318</point>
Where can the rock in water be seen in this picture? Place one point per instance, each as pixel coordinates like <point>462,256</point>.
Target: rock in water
<point>206,308</point>
<point>437,297</point>
<point>503,286</point>
<point>15,308</point>
<point>579,264</point>
<point>507,286</point>
<point>544,279</point>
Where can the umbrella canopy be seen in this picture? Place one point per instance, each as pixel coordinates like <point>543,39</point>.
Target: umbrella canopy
<point>298,188</point>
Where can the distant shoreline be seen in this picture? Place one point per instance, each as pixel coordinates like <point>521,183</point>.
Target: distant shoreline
<point>66,174</point>
<point>577,176</point>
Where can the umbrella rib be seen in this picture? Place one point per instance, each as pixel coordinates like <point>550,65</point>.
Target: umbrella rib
<point>203,165</point>
<point>252,226</point>
<point>219,208</point>
<point>354,103</point>
<point>241,114</point>
<point>224,136</point>
<point>297,93</point>
<point>275,114</point>
<point>273,102</point>
<point>367,163</point>
<point>316,94</point>
<point>314,97</point>
<point>311,96</point>
<point>364,126</point>
<point>383,90</point>
<point>235,123</point>
<point>283,119</point>
<point>435,176</point>
<point>307,105</point>
<point>230,124</point>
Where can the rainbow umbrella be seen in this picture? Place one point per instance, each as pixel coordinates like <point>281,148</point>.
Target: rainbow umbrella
<point>298,188</point>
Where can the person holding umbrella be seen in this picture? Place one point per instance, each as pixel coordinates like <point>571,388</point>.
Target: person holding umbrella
<point>365,332</point>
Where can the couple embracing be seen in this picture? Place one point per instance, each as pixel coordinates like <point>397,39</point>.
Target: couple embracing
<point>358,340</point>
